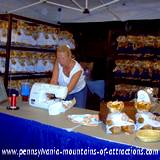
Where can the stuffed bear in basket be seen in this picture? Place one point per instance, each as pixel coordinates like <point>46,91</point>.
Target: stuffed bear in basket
<point>117,121</point>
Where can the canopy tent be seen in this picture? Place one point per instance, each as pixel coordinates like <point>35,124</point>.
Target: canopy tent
<point>63,11</point>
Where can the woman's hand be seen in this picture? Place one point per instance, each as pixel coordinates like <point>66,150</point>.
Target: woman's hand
<point>54,79</point>
<point>50,96</point>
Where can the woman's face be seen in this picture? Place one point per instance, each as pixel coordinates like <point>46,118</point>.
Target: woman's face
<point>63,58</point>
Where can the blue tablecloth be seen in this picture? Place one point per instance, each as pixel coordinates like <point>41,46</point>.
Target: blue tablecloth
<point>30,136</point>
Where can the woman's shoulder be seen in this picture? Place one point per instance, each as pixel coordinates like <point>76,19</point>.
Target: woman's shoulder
<point>77,64</point>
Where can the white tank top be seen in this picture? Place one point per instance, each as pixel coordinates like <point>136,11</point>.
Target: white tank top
<point>63,80</point>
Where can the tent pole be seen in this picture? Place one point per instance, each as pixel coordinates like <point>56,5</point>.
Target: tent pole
<point>24,7</point>
<point>77,4</point>
<point>65,6</point>
<point>86,6</point>
<point>104,5</point>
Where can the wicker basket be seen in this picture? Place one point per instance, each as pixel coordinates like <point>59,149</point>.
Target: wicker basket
<point>148,135</point>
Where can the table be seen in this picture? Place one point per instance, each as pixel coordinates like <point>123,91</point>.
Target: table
<point>32,128</point>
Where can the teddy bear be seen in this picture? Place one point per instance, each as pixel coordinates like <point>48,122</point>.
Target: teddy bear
<point>144,118</point>
<point>117,121</point>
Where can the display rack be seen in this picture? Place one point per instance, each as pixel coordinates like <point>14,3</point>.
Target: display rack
<point>138,60</point>
<point>11,22</point>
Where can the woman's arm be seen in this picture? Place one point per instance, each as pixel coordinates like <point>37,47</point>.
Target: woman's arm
<point>74,81</point>
<point>54,79</point>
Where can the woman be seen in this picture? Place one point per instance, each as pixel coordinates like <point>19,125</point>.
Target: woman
<point>68,72</point>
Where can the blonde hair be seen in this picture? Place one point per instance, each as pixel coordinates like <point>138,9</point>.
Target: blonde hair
<point>65,49</point>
